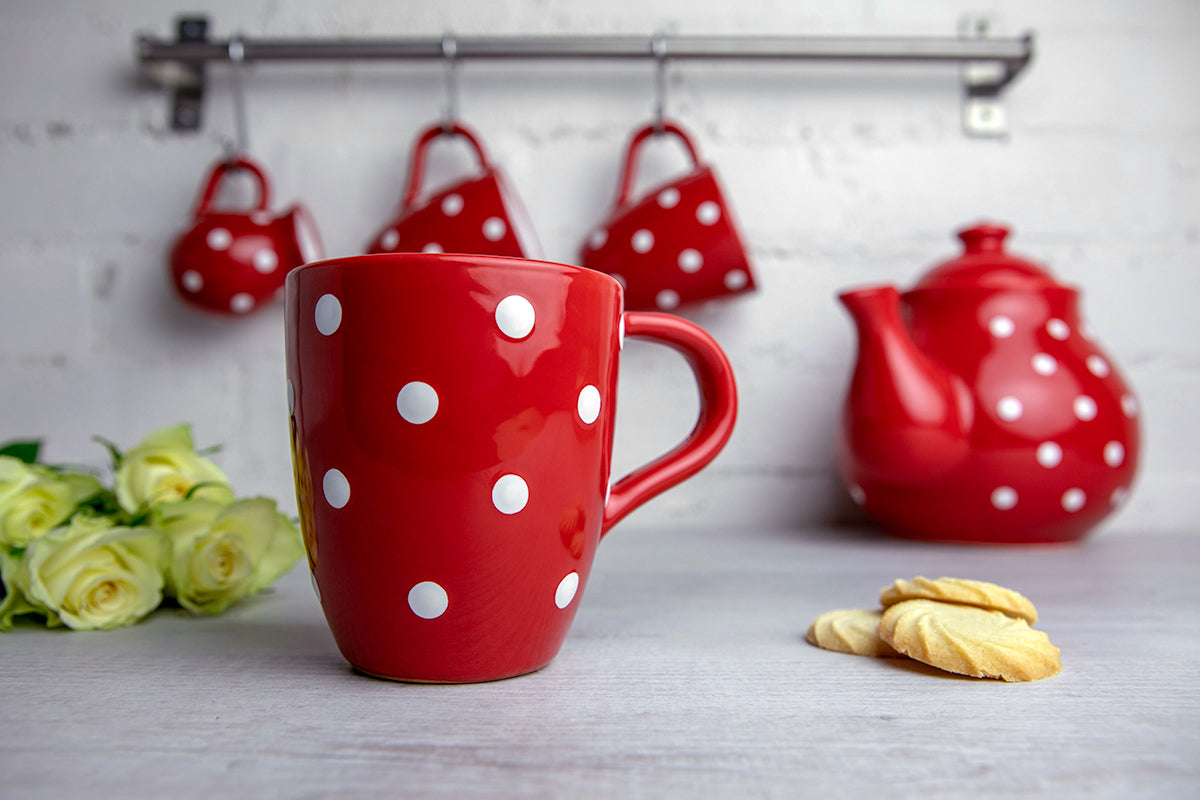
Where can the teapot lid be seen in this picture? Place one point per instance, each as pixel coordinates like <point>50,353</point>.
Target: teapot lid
<point>985,264</point>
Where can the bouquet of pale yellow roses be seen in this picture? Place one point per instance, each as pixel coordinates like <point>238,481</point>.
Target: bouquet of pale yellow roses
<point>90,556</point>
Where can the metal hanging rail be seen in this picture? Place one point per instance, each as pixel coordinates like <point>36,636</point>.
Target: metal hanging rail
<point>989,64</point>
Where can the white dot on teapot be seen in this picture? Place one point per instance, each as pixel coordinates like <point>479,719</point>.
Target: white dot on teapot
<point>736,279</point>
<point>1114,454</point>
<point>432,247</point>
<point>566,590</point>
<point>1058,329</point>
<point>390,238</point>
<point>452,204</point>
<point>328,314</point>
<point>428,600</point>
<point>265,261</point>
<point>1073,499</point>
<point>1119,496</point>
<point>1097,366</point>
<point>588,405</point>
<point>1009,409</point>
<point>1004,497</point>
<point>597,238</point>
<point>857,494</point>
<point>642,241</point>
<point>1001,326</point>
<point>335,488</point>
<point>510,494</point>
<point>668,198</point>
<point>667,299</point>
<point>417,402</point>
<point>494,229</point>
<point>219,239</point>
<point>690,260</point>
<point>515,316</point>
<point>1044,364</point>
<point>1049,454</point>
<point>1129,405</point>
<point>708,212</point>
<point>241,303</point>
<point>192,281</point>
<point>1084,408</point>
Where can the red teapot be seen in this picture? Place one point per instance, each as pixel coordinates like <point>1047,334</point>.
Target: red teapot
<point>981,408</point>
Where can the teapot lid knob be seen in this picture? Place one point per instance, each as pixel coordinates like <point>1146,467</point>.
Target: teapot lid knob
<point>984,238</point>
<point>985,264</point>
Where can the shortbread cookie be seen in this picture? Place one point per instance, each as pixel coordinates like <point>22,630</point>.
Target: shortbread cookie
<point>850,630</point>
<point>969,640</point>
<point>965,592</point>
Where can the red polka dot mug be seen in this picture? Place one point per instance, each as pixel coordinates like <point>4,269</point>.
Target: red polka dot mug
<point>981,407</point>
<point>677,243</point>
<point>452,426</point>
<point>232,261</point>
<point>480,214</point>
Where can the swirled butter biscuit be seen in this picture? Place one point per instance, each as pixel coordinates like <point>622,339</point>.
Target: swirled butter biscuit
<point>963,591</point>
<point>850,630</point>
<point>969,640</point>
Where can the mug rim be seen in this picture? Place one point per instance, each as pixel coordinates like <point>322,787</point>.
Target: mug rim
<point>460,259</point>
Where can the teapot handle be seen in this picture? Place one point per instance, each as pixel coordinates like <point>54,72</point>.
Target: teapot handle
<point>204,204</point>
<point>416,168</point>
<point>639,138</point>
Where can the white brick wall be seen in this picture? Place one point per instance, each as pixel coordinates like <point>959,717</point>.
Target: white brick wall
<point>839,175</point>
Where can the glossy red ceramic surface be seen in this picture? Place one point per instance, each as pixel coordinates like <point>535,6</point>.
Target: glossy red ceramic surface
<point>677,243</point>
<point>232,261</point>
<point>981,408</point>
<point>480,214</point>
<point>452,422</point>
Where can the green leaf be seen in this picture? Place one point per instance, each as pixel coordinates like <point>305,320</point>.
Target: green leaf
<point>24,450</point>
<point>201,485</point>
<point>112,450</point>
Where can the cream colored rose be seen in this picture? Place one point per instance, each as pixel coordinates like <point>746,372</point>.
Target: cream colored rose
<point>15,603</point>
<point>94,575</point>
<point>165,467</point>
<point>220,553</point>
<point>14,476</point>
<point>39,501</point>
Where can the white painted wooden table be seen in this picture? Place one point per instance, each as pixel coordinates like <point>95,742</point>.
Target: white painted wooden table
<point>685,675</point>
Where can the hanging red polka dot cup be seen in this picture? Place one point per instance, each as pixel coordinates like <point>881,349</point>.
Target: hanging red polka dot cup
<point>452,420</point>
<point>232,261</point>
<point>480,214</point>
<point>982,408</point>
<point>677,244</point>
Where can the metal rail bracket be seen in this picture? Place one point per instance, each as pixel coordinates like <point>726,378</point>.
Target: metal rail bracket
<point>187,97</point>
<point>983,111</point>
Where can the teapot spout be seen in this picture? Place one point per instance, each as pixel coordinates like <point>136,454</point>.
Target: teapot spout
<point>907,418</point>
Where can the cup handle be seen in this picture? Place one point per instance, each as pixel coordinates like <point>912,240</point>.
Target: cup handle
<point>218,172</point>
<point>635,144</point>
<point>416,167</point>
<point>718,411</point>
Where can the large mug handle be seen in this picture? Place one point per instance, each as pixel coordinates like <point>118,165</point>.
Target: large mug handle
<point>238,163</point>
<point>714,425</point>
<point>416,167</point>
<point>635,144</point>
